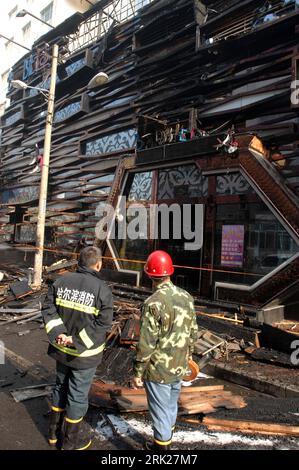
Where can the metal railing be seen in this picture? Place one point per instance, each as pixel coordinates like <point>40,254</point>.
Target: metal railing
<point>242,22</point>
<point>97,25</point>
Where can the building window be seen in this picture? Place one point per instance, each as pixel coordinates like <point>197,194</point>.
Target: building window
<point>165,226</point>
<point>141,189</point>
<point>2,108</point>
<point>4,76</point>
<point>9,45</point>
<point>181,182</point>
<point>27,31</point>
<point>13,12</point>
<point>232,184</point>
<point>47,13</point>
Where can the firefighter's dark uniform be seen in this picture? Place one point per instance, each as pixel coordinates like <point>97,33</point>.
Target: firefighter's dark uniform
<point>78,305</point>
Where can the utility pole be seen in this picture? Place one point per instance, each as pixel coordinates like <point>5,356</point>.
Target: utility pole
<point>40,229</point>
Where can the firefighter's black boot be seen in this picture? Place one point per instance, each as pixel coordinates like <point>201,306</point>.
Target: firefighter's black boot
<point>55,425</point>
<point>76,436</point>
<point>157,446</point>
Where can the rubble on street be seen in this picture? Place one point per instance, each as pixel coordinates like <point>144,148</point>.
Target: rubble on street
<point>238,374</point>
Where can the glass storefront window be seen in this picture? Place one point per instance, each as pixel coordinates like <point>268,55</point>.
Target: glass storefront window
<point>243,240</point>
<point>266,243</point>
<point>181,183</point>
<point>132,250</point>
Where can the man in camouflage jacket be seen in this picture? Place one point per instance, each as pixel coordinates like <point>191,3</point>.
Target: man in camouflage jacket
<point>167,335</point>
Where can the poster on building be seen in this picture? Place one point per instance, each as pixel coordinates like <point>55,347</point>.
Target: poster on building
<point>232,247</point>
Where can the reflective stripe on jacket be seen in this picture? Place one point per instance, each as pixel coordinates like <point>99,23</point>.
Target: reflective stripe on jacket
<point>79,305</point>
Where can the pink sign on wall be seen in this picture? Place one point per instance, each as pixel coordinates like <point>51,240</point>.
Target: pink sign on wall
<point>232,247</point>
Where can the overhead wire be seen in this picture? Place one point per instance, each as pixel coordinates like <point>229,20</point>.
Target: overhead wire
<point>111,258</point>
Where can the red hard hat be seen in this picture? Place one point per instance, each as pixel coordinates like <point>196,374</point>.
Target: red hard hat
<point>159,264</point>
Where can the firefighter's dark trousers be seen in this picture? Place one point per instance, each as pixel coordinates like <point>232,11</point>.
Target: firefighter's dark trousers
<point>72,389</point>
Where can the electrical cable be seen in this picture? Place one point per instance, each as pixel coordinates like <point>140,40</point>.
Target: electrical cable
<point>110,258</point>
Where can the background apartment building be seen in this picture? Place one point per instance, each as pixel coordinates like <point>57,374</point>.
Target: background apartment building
<point>25,30</point>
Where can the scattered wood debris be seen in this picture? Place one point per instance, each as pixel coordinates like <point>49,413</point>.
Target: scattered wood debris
<point>61,265</point>
<point>32,391</point>
<point>287,325</point>
<point>193,400</point>
<point>271,356</point>
<point>21,318</point>
<point>250,427</point>
<point>221,335</point>
<point>229,329</point>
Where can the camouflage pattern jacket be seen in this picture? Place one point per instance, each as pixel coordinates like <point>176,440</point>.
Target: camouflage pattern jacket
<point>167,334</point>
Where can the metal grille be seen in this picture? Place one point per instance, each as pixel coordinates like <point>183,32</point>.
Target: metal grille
<point>98,24</point>
<point>245,21</point>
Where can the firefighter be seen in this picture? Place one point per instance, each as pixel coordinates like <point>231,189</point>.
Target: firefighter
<point>77,313</point>
<point>167,334</point>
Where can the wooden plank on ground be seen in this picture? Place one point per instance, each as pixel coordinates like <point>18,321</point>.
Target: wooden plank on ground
<point>234,402</point>
<point>205,408</point>
<point>99,386</point>
<point>250,427</point>
<point>200,399</point>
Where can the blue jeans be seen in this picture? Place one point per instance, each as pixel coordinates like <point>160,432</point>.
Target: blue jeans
<point>71,390</point>
<point>163,407</point>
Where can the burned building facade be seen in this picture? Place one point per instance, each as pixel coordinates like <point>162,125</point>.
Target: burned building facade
<point>201,109</point>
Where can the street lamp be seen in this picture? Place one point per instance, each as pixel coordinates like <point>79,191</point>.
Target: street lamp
<point>23,13</point>
<point>19,85</point>
<point>23,86</point>
<point>97,80</point>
